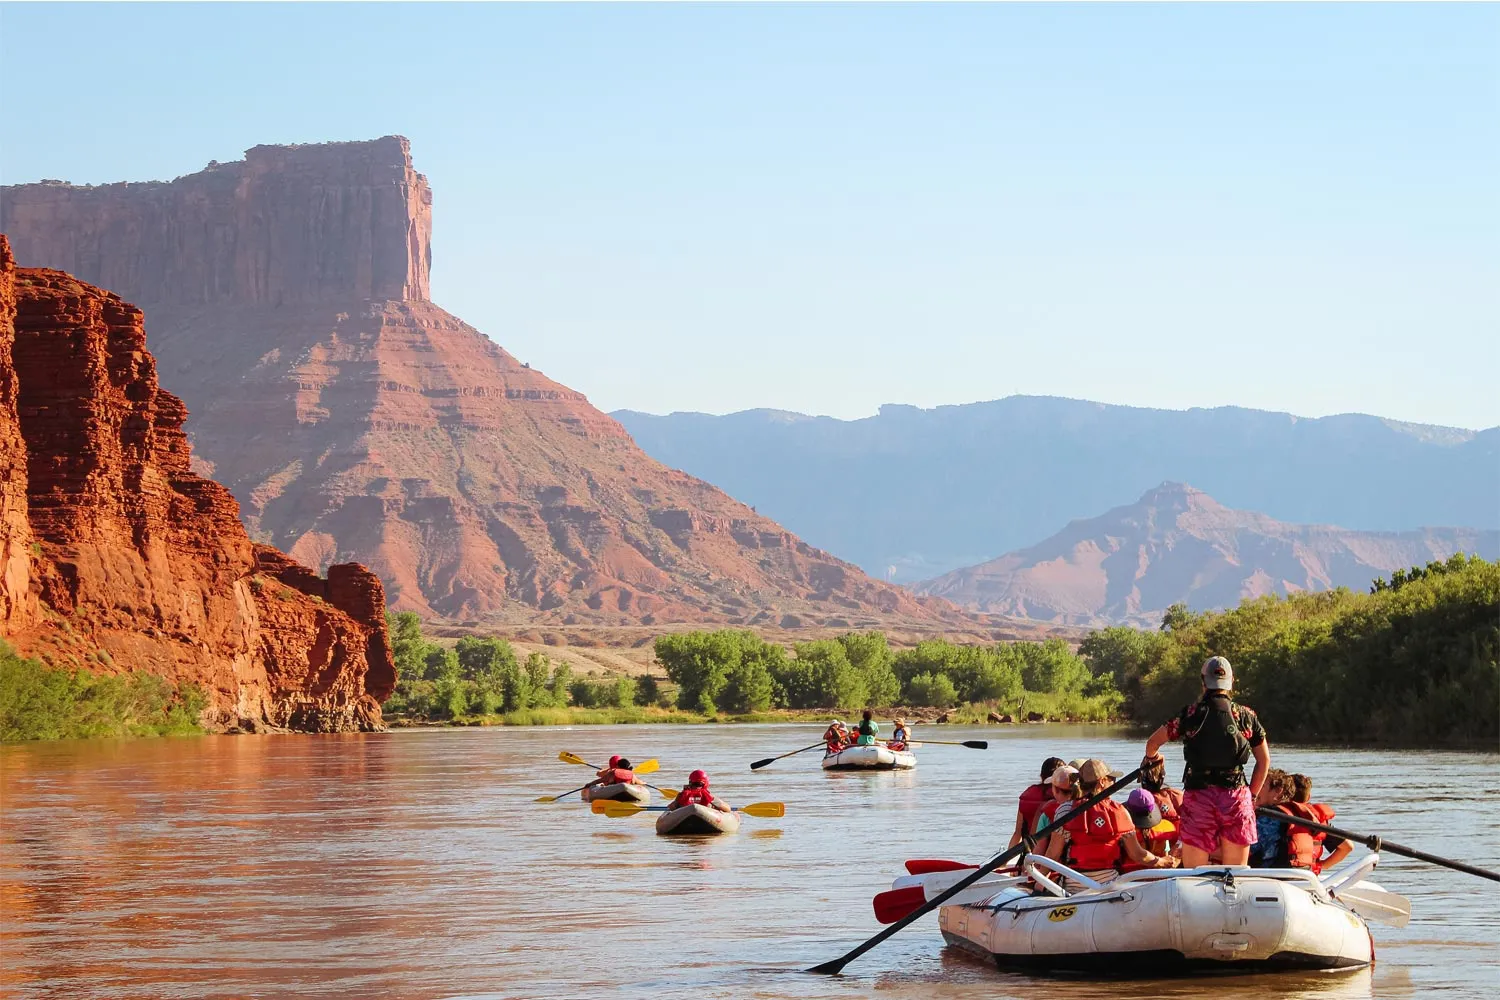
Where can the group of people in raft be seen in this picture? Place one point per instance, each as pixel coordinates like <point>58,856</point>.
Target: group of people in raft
<point>866,732</point>
<point>694,792</point>
<point>1211,820</point>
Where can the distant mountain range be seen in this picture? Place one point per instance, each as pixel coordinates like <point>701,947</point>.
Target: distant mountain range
<point>912,493</point>
<point>1177,543</point>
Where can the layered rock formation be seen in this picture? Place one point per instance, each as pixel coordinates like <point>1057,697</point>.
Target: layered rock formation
<point>117,557</point>
<point>354,419</point>
<point>1177,544</point>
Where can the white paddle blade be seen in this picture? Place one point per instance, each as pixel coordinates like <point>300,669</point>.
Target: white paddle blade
<point>1377,904</point>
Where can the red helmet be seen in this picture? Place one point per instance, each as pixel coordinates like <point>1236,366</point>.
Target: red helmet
<point>698,778</point>
<point>614,761</point>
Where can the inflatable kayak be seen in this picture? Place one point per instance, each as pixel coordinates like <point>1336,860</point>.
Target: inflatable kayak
<point>874,757</point>
<point>623,793</point>
<point>696,819</point>
<point>1163,922</point>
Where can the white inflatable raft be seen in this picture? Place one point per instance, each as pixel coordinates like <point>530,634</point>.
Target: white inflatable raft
<point>696,819</point>
<point>622,793</point>
<point>1164,922</point>
<point>874,757</point>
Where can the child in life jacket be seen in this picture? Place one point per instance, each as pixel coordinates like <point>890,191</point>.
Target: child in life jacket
<point>696,792</point>
<point>900,735</point>
<point>1032,799</point>
<point>1155,833</point>
<point>617,773</point>
<point>1064,790</point>
<point>1304,846</point>
<point>1096,838</point>
<point>1269,849</point>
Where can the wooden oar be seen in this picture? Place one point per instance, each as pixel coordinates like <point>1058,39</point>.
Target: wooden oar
<point>836,966</point>
<point>616,809</point>
<point>771,760</point>
<point>1378,844</point>
<point>971,744</point>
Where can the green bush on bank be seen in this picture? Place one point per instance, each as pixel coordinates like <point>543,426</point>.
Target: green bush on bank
<point>1416,660</point>
<point>38,702</point>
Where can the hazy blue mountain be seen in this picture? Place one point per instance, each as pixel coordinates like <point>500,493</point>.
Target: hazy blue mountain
<point>929,490</point>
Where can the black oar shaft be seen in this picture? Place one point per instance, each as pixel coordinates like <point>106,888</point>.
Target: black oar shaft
<point>837,965</point>
<point>771,760</point>
<point>1377,843</point>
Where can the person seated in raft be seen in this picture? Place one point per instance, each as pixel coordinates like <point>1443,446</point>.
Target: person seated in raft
<point>836,737</point>
<point>617,773</point>
<point>1065,790</point>
<point>1269,848</point>
<point>1094,840</point>
<point>1032,799</point>
<point>696,792</point>
<point>1168,799</point>
<point>1152,832</point>
<point>900,736</point>
<point>1304,846</point>
<point>868,730</point>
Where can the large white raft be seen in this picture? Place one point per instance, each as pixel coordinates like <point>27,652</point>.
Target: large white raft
<point>1165,921</point>
<point>874,757</point>
<point>621,793</point>
<point>696,819</point>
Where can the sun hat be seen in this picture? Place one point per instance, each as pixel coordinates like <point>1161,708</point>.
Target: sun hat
<point>1218,675</point>
<point>1094,771</point>
<point>1144,811</point>
<point>1068,776</point>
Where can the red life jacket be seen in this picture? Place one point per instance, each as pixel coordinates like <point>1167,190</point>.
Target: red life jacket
<point>1157,840</point>
<point>1032,800</point>
<point>1096,834</point>
<point>618,776</point>
<point>1304,845</point>
<point>1169,801</point>
<point>689,796</point>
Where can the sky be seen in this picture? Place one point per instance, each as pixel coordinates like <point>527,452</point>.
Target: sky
<point>825,208</point>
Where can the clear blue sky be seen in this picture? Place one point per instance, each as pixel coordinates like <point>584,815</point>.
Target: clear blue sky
<point>823,208</point>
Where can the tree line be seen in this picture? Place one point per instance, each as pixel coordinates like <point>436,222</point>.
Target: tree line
<point>1416,660</point>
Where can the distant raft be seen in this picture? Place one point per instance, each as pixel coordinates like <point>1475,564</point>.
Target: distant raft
<point>695,818</point>
<point>621,793</point>
<point>874,757</point>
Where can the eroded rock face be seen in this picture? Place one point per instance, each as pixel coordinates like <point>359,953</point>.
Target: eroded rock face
<point>135,563</point>
<point>354,419</point>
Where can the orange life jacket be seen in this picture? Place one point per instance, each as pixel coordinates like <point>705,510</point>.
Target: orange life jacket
<point>1157,840</point>
<point>618,776</point>
<point>694,794</point>
<point>1304,845</point>
<point>1095,835</point>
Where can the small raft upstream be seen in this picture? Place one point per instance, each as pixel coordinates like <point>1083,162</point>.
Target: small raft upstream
<point>874,757</point>
<point>696,819</point>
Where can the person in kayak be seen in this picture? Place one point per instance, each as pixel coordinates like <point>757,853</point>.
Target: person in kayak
<point>868,730</point>
<point>696,792</point>
<point>1032,799</point>
<point>1303,846</point>
<point>1269,848</point>
<point>617,773</point>
<point>900,736</point>
<point>1218,738</point>
<point>1153,831</point>
<point>1095,840</point>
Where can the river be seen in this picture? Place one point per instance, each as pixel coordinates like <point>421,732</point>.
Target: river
<point>415,864</point>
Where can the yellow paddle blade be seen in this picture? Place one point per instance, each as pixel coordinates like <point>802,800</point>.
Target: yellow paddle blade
<point>667,793</point>
<point>573,758</point>
<point>546,798</point>
<point>614,810</point>
<point>765,810</point>
<point>646,767</point>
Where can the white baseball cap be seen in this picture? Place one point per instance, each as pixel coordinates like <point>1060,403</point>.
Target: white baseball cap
<point>1218,675</point>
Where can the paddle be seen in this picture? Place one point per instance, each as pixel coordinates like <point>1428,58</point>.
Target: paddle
<point>1376,904</point>
<point>666,793</point>
<point>926,866</point>
<point>771,760</point>
<point>646,767</point>
<point>971,744</point>
<point>836,966</point>
<point>615,809</point>
<point>1378,844</point>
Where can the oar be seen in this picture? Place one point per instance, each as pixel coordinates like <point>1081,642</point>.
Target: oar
<point>554,798</point>
<point>645,767</point>
<point>1378,844</point>
<point>971,744</point>
<point>925,866</point>
<point>836,966</point>
<point>771,760</point>
<point>615,809</point>
<point>1376,904</point>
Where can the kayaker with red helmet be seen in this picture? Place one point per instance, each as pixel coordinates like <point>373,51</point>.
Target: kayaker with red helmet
<point>618,772</point>
<point>696,792</point>
<point>1218,738</point>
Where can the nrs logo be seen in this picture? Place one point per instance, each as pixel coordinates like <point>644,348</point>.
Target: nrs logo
<point>1061,913</point>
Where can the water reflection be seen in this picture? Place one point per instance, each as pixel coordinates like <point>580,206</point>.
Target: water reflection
<point>417,865</point>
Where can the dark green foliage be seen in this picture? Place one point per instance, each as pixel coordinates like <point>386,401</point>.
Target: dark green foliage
<point>1416,660</point>
<point>40,703</point>
<point>931,691</point>
<point>726,670</point>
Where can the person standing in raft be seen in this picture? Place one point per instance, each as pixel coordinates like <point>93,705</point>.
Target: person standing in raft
<point>1032,799</point>
<point>617,773</point>
<point>1218,738</point>
<point>696,792</point>
<point>867,730</point>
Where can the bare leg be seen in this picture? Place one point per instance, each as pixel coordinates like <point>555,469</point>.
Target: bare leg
<point>1193,857</point>
<point>1234,854</point>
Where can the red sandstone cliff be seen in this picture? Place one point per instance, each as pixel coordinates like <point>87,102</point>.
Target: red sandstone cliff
<point>354,419</point>
<point>117,557</point>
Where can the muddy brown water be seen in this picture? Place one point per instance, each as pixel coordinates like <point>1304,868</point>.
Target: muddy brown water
<point>415,864</point>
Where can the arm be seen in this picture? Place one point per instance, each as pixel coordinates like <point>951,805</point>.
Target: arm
<point>1339,854</point>
<point>1158,738</point>
<point>1135,852</point>
<point>1262,753</point>
<point>1015,837</point>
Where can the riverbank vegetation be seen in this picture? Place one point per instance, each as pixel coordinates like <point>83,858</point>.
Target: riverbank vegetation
<point>38,702</point>
<point>1414,661</point>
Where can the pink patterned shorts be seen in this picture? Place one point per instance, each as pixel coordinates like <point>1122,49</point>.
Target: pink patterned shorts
<point>1209,814</point>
